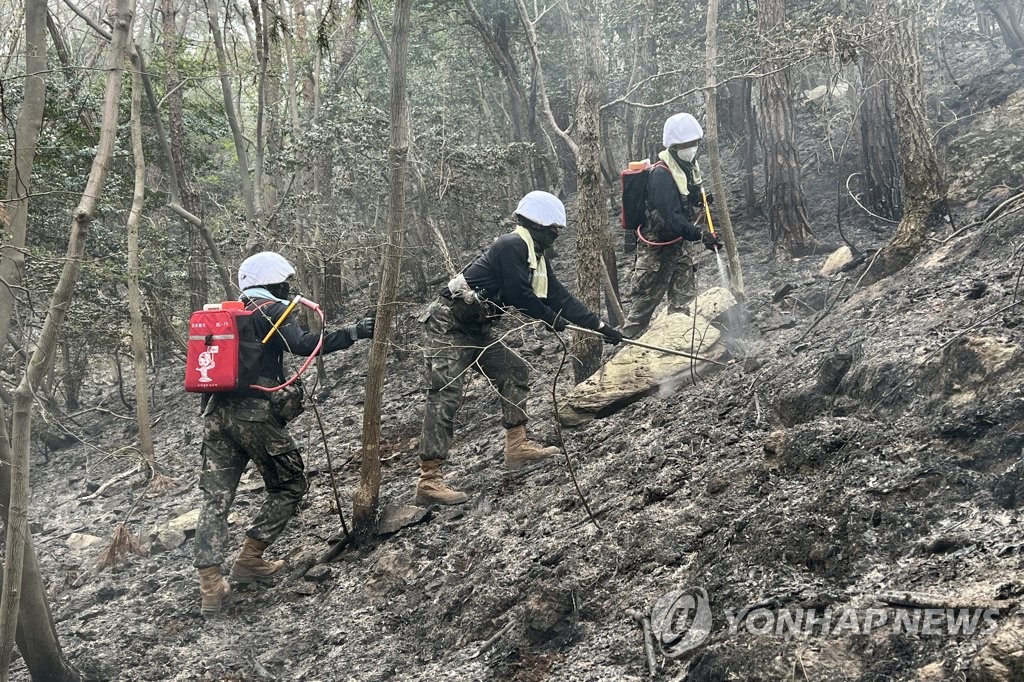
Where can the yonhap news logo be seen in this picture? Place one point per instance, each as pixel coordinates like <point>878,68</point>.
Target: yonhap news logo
<point>681,620</point>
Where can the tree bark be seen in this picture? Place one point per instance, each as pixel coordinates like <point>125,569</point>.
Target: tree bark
<point>923,186</point>
<point>715,155</point>
<point>36,635</point>
<point>750,149</point>
<point>1009,27</point>
<point>198,286</point>
<point>134,293</point>
<point>19,175</point>
<point>24,611</point>
<point>366,501</point>
<point>592,220</point>
<point>880,167</point>
<point>244,181</point>
<point>17,526</point>
<point>788,225</point>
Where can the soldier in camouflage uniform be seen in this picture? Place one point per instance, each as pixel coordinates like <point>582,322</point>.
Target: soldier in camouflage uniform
<point>513,274</point>
<point>250,425</point>
<point>664,262</point>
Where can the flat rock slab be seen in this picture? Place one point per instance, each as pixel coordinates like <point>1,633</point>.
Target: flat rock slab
<point>636,372</point>
<point>394,517</point>
<point>82,541</point>
<point>715,304</point>
<point>186,523</point>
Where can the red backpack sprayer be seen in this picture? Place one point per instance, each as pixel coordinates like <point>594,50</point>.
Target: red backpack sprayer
<point>217,335</point>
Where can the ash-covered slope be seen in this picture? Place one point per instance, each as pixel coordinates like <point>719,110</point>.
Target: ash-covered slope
<point>862,456</point>
<point>772,484</point>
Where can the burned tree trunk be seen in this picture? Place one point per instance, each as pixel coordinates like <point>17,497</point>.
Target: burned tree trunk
<point>592,222</point>
<point>880,174</point>
<point>1009,26</point>
<point>923,186</point>
<point>366,501</point>
<point>788,225</point>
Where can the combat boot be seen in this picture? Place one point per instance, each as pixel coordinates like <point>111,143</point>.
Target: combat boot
<point>251,566</point>
<point>519,450</point>
<point>213,589</point>
<point>431,488</point>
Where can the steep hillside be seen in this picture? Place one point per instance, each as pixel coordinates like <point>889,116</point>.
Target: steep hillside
<point>861,455</point>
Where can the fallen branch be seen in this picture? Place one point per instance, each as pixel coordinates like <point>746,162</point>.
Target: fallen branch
<point>824,313</point>
<point>645,623</point>
<point>114,481</point>
<point>922,600</point>
<point>493,639</point>
<point>330,468</point>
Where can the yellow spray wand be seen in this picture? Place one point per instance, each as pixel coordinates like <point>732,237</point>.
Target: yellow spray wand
<point>707,211</point>
<point>280,320</point>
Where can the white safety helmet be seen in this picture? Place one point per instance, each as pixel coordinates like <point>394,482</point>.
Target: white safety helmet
<point>681,128</point>
<point>261,269</point>
<point>542,208</point>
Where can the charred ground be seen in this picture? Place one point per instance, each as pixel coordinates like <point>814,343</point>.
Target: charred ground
<point>866,440</point>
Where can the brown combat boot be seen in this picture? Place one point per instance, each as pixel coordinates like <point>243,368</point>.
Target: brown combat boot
<point>431,488</point>
<point>251,566</point>
<point>519,450</point>
<point>214,590</point>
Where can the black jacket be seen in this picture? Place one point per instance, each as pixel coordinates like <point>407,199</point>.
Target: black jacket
<point>503,276</point>
<point>670,215</point>
<point>290,337</point>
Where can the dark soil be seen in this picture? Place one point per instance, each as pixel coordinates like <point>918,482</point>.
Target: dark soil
<point>874,449</point>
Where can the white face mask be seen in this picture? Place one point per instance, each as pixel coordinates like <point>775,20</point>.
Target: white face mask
<point>687,153</point>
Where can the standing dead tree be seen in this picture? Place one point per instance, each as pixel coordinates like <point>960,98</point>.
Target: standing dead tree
<point>715,155</point>
<point>923,187</point>
<point>17,527</point>
<point>134,293</point>
<point>366,502</point>
<point>788,225</point>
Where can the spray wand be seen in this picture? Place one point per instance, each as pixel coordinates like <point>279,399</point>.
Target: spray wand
<point>707,214</point>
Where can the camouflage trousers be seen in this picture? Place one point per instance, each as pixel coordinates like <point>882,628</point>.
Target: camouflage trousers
<point>453,349</point>
<point>659,270</point>
<point>235,431</point>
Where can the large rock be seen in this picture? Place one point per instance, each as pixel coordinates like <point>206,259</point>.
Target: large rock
<point>635,372</point>
<point>838,260</point>
<point>1002,659</point>
<point>715,304</point>
<point>186,523</point>
<point>82,541</point>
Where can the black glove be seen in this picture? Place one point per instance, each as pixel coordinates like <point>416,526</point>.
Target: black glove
<point>611,334</point>
<point>711,241</point>
<point>710,198</point>
<point>364,328</point>
<point>559,324</point>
